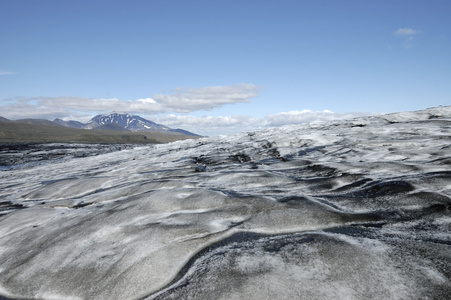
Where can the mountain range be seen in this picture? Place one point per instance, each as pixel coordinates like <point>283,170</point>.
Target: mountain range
<point>107,128</point>
<point>111,121</point>
<point>122,122</point>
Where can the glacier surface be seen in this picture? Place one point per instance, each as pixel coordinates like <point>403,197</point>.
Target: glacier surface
<point>356,209</point>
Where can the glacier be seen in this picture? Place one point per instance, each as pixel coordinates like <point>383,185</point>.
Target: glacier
<point>353,209</point>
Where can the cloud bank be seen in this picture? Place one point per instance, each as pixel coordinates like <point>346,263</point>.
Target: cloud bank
<point>208,125</point>
<point>182,100</point>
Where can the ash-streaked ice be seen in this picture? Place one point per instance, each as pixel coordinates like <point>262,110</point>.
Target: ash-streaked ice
<point>355,209</point>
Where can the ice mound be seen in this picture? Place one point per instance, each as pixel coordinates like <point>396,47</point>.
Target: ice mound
<point>356,209</point>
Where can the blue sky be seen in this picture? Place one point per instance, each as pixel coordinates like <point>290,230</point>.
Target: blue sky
<point>223,66</point>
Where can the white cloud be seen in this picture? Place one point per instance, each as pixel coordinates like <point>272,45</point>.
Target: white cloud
<point>406,31</point>
<point>147,106</point>
<point>4,72</point>
<point>297,117</point>
<point>207,98</point>
<point>182,100</point>
<point>208,125</point>
<point>26,109</point>
<point>407,34</point>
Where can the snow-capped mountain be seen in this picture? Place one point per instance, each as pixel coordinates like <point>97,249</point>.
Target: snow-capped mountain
<point>123,121</point>
<point>126,121</point>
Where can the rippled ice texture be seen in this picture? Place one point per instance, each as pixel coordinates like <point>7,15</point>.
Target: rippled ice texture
<point>356,209</point>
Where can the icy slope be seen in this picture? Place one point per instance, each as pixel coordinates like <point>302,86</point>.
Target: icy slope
<point>355,209</point>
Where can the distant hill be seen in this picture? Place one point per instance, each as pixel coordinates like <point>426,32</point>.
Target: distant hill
<point>71,124</point>
<point>35,122</point>
<point>185,132</point>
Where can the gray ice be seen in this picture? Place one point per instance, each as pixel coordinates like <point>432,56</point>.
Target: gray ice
<point>355,209</point>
